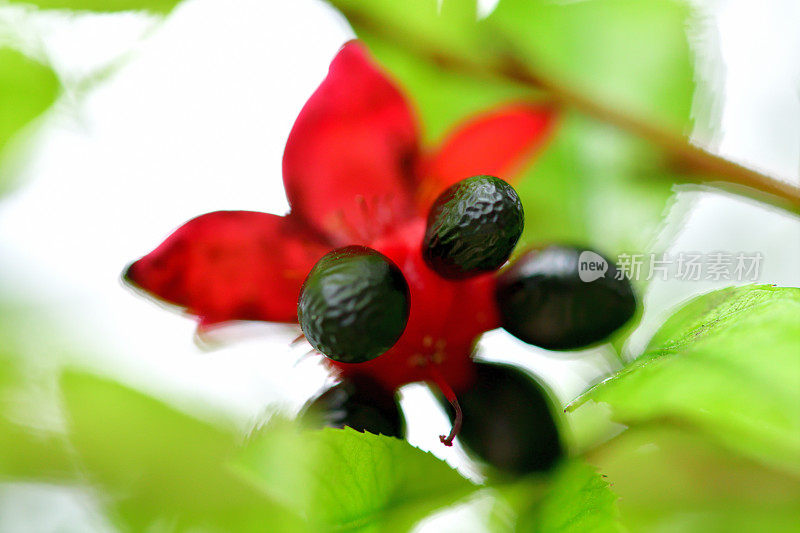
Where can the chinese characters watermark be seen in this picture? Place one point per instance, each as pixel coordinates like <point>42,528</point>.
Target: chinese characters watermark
<point>685,266</point>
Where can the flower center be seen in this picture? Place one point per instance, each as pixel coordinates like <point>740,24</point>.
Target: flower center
<point>445,321</point>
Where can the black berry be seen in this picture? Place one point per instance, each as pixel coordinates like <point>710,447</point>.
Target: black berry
<point>360,405</point>
<point>473,227</point>
<point>552,297</point>
<point>508,420</point>
<point>354,304</point>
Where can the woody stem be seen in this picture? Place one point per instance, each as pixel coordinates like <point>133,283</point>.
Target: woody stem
<point>692,163</point>
<point>686,158</point>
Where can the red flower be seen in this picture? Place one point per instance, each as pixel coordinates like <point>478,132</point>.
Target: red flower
<point>354,173</point>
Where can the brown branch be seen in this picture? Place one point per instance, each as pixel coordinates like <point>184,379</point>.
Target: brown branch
<point>695,163</point>
<point>692,160</point>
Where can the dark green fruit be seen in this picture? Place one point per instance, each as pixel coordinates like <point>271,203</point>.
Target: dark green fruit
<point>509,420</point>
<point>360,405</point>
<point>473,227</point>
<point>553,298</point>
<point>354,304</point>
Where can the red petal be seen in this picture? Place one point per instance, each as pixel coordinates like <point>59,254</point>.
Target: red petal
<point>231,265</point>
<point>498,143</point>
<point>349,162</point>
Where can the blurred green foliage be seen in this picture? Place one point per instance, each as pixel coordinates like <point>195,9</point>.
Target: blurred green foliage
<point>711,446</point>
<point>157,465</point>
<point>593,185</point>
<point>578,500</point>
<point>27,88</point>
<point>574,498</point>
<point>629,54</point>
<point>348,481</point>
<point>29,449</point>
<point>672,478</point>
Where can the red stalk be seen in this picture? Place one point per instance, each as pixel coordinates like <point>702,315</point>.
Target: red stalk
<point>440,382</point>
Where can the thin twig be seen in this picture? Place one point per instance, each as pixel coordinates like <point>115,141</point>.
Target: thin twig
<point>689,158</point>
<point>693,163</point>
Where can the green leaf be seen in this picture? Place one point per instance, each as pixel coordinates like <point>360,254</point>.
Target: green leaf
<point>154,6</point>
<point>344,480</point>
<point>160,466</point>
<point>573,498</point>
<point>631,55</point>
<point>579,500</point>
<point>670,478</point>
<point>27,88</point>
<point>726,364</point>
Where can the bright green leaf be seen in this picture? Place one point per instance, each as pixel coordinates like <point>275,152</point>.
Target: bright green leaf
<point>154,6</point>
<point>345,480</point>
<point>27,88</point>
<point>728,364</point>
<point>160,466</point>
<point>672,479</point>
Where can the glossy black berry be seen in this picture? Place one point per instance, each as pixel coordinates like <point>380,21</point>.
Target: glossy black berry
<point>354,304</point>
<point>473,227</point>
<point>360,405</point>
<point>563,297</point>
<point>509,420</point>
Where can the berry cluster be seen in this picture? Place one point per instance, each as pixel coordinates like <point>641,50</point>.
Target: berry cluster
<point>355,303</point>
<point>408,278</point>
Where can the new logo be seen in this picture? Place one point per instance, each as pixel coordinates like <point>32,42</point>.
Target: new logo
<point>591,266</point>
